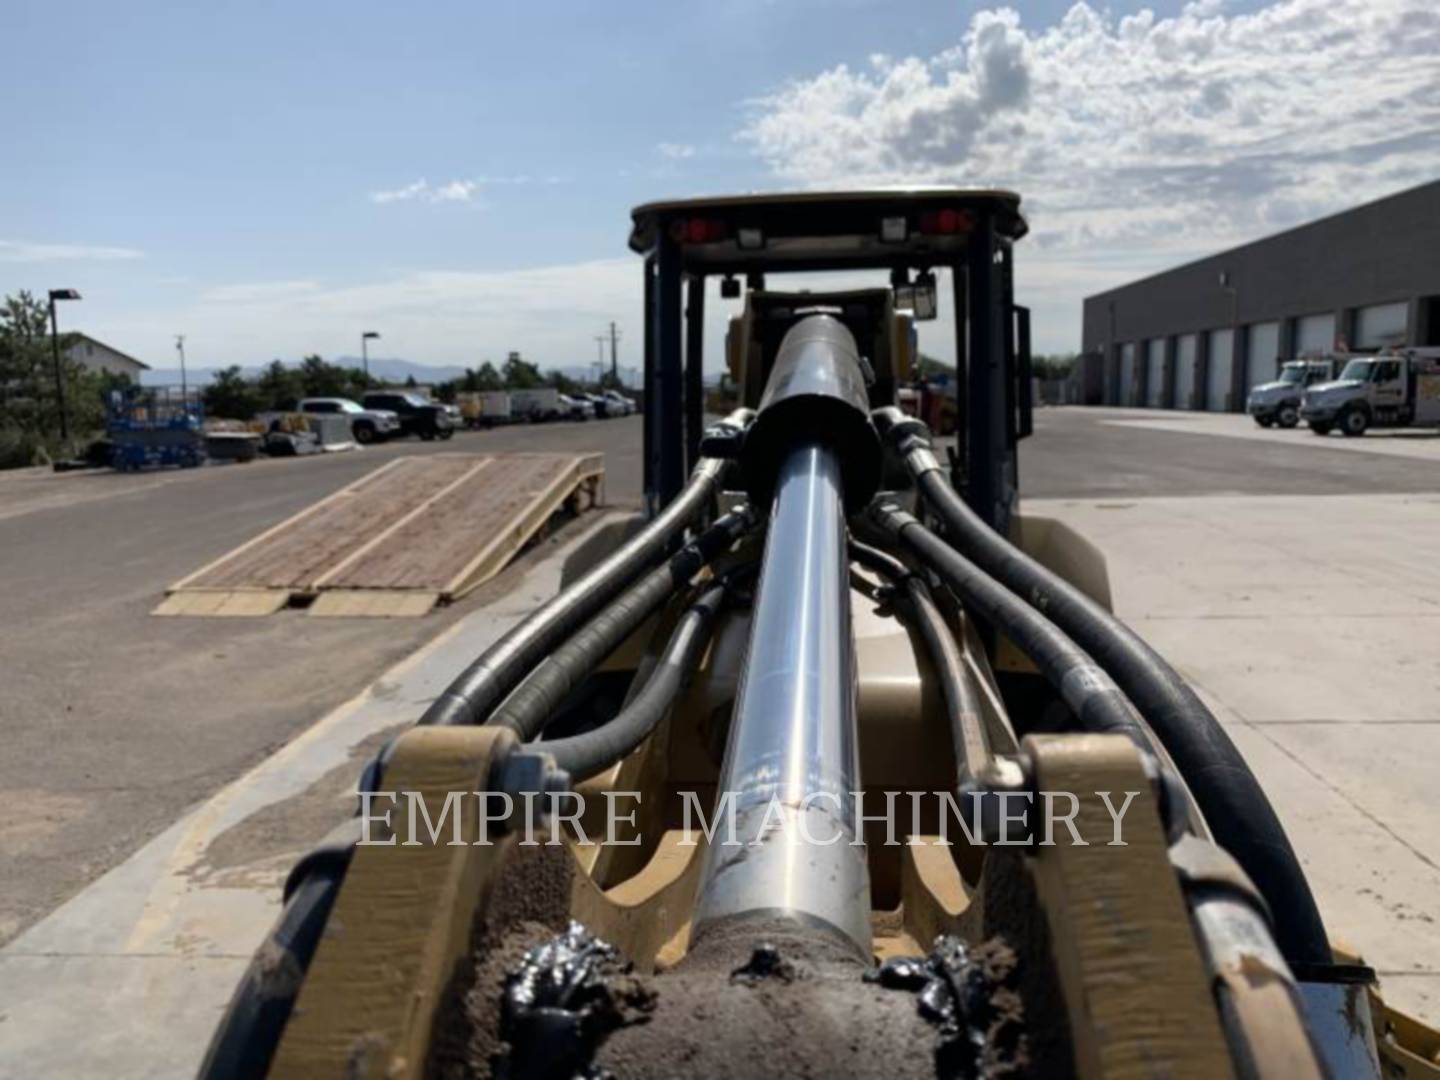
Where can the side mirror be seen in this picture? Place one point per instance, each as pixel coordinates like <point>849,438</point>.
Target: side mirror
<point>729,288</point>
<point>919,298</point>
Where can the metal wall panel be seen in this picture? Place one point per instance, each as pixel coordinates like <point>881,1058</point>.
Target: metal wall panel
<point>1185,352</point>
<point>1220,371</point>
<point>1155,373</point>
<point>1129,382</point>
<point>1315,335</point>
<point>1381,325</point>
<point>1262,348</point>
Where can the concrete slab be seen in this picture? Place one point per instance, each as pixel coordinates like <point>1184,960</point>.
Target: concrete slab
<point>1308,623</point>
<point>1376,894</point>
<point>131,975</point>
<point>1421,444</point>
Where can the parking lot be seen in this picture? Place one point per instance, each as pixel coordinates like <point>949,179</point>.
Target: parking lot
<point>1289,578</point>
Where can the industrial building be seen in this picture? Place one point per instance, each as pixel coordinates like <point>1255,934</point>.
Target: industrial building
<point>1197,336</point>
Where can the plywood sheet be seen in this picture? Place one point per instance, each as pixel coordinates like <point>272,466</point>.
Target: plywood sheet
<point>415,532</point>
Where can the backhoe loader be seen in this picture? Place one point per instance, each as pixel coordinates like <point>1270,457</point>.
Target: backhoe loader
<point>830,763</point>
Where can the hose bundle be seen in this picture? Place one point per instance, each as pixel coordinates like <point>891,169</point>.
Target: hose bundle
<point>1232,801</point>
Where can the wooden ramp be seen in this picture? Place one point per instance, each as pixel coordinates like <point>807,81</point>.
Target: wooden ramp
<point>416,532</point>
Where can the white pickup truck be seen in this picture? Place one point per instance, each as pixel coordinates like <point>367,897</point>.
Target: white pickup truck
<point>1392,389</point>
<point>366,425</point>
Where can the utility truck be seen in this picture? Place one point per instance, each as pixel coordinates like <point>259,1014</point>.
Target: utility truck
<point>1278,402</point>
<point>1391,389</point>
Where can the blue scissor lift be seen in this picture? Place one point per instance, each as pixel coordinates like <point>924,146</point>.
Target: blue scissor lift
<point>153,428</point>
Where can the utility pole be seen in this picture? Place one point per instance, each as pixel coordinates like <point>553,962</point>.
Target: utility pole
<point>614,352</point>
<point>600,340</point>
<point>184,389</point>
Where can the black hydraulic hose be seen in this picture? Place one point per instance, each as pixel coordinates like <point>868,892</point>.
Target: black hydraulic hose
<point>499,669</point>
<point>534,702</point>
<point>962,703</point>
<point>1232,801</point>
<point>1088,691</point>
<point>592,752</point>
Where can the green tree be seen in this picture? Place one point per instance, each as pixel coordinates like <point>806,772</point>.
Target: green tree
<point>560,381</point>
<point>231,396</point>
<point>357,382</point>
<point>278,386</point>
<point>487,378</point>
<point>29,406</point>
<point>321,379</point>
<point>521,374</point>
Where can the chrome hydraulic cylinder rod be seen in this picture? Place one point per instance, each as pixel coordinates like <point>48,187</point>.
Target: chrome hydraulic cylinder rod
<point>792,759</point>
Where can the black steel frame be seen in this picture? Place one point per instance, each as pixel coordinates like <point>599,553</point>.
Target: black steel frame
<point>992,349</point>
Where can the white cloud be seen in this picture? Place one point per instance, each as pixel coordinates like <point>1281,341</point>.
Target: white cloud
<point>20,252</point>
<point>257,293</point>
<point>550,313</point>
<point>422,191</point>
<point>675,151</point>
<point>1136,141</point>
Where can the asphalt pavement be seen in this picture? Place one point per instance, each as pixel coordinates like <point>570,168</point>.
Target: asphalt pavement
<point>112,720</point>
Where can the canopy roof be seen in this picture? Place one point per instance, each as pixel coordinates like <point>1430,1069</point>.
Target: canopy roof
<point>825,230</point>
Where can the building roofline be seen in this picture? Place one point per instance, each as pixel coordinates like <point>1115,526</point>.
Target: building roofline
<point>104,345</point>
<point>1266,239</point>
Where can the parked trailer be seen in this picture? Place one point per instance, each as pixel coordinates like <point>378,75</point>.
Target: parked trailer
<point>536,405</point>
<point>485,408</point>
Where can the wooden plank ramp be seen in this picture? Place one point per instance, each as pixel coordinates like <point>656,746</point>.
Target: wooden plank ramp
<point>416,532</point>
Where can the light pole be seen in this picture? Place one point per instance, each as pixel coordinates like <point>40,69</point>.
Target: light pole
<point>184,389</point>
<point>60,294</point>
<point>365,340</point>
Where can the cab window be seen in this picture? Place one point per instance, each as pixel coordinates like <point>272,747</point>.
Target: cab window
<point>1387,370</point>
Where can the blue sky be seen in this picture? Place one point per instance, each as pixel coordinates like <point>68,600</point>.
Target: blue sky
<point>250,174</point>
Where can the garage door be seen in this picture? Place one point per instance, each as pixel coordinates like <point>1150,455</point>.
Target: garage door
<point>1155,373</point>
<point>1381,325</point>
<point>1129,388</point>
<point>1220,370</point>
<point>1262,351</point>
<point>1315,335</point>
<point>1185,371</point>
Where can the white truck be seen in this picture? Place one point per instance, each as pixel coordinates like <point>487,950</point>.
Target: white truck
<point>1392,389</point>
<point>1278,402</point>
<point>536,405</point>
<point>367,425</point>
